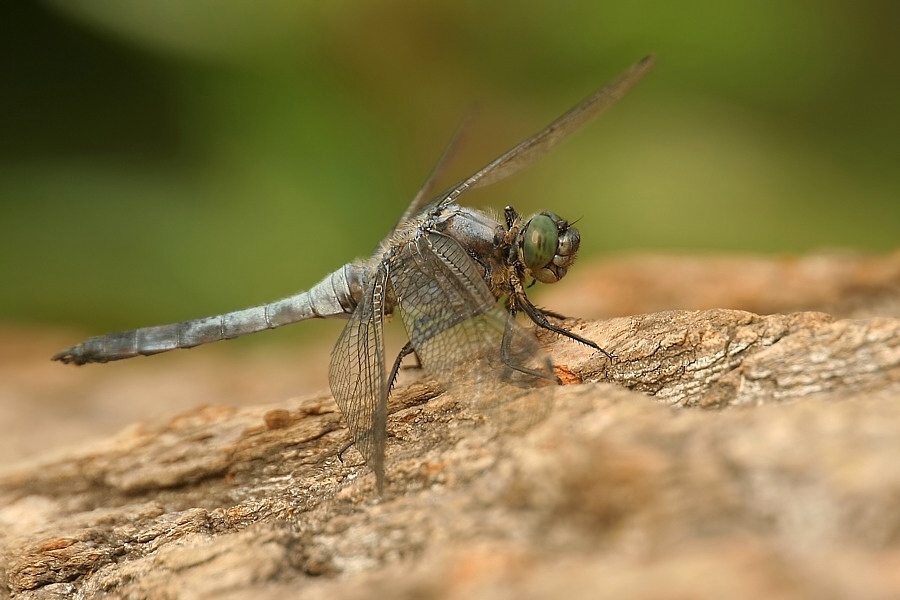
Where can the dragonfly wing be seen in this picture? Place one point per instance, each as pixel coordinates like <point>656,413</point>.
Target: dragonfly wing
<point>530,150</point>
<point>357,376</point>
<point>424,195</point>
<point>527,152</point>
<point>453,320</point>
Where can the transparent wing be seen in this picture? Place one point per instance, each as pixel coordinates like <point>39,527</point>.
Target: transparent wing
<point>358,379</point>
<point>527,152</point>
<point>454,323</point>
<point>423,196</point>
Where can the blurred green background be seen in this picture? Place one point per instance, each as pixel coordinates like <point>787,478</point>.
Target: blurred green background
<point>173,159</point>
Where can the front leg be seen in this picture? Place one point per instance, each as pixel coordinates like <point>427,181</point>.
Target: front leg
<point>540,319</point>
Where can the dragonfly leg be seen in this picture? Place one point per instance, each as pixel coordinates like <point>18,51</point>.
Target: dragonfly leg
<point>552,313</point>
<point>540,319</point>
<point>405,351</point>
<point>344,448</point>
<point>506,354</point>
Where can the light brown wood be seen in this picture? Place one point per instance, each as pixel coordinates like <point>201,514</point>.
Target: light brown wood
<point>724,453</point>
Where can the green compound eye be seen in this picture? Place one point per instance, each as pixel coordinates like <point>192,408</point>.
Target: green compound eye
<point>539,242</point>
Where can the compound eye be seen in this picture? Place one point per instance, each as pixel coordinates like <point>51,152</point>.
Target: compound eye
<point>539,242</point>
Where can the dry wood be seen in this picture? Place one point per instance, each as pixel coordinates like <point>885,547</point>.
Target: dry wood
<point>724,453</point>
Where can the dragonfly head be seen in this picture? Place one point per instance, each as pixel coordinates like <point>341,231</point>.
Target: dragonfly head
<point>547,246</point>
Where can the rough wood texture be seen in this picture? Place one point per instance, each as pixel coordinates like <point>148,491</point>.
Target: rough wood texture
<point>724,453</point>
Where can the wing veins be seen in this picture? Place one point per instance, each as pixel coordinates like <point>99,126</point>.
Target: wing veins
<point>531,149</point>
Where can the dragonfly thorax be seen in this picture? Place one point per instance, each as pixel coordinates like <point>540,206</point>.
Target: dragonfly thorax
<point>547,246</point>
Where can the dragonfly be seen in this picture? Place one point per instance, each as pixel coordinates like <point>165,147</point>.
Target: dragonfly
<point>456,275</point>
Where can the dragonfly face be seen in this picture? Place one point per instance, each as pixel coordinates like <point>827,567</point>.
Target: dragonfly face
<point>547,246</point>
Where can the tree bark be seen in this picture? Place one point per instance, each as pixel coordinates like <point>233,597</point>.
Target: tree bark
<point>721,453</point>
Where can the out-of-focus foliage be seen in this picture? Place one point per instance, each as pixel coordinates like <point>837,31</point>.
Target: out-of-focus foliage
<point>168,159</point>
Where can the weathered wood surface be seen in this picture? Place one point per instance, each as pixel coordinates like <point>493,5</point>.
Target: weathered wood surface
<point>724,453</point>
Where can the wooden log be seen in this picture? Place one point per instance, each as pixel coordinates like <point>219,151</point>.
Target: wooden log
<point>722,453</point>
